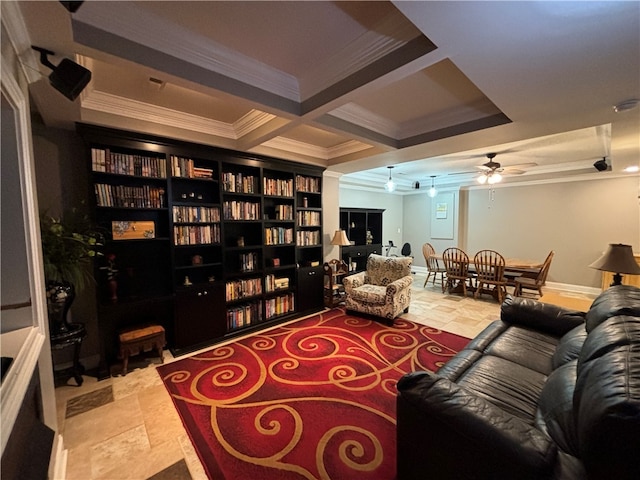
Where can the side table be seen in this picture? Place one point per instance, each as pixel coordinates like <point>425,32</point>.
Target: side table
<point>334,272</point>
<point>73,337</point>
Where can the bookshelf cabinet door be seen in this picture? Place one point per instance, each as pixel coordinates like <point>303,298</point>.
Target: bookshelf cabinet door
<point>310,289</point>
<point>199,316</point>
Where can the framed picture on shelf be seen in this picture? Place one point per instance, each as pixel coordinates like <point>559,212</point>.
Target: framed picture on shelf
<point>126,230</point>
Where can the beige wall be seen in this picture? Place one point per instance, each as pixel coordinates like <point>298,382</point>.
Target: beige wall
<point>392,218</point>
<point>575,219</point>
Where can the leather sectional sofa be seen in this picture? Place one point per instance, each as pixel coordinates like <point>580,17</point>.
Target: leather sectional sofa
<point>542,393</point>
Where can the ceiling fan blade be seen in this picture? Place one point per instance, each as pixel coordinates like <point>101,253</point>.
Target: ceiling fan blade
<point>462,173</point>
<point>522,165</point>
<point>513,171</point>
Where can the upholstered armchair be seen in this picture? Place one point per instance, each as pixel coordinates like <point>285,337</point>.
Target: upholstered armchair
<point>383,290</point>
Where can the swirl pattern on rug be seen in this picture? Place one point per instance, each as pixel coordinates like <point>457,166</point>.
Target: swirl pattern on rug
<point>313,399</point>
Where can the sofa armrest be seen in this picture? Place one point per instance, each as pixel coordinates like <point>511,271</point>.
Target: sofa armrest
<point>464,435</point>
<point>543,317</point>
<point>399,285</point>
<point>353,281</point>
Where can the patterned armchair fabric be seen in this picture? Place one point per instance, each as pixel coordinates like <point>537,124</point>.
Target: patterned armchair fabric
<point>383,290</point>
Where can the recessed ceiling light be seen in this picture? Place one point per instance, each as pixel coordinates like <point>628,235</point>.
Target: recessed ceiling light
<point>626,105</point>
<point>632,169</point>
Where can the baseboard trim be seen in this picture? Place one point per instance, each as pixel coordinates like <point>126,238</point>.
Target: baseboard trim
<point>58,461</point>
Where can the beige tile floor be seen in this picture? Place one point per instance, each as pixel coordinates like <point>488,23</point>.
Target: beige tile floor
<point>127,427</point>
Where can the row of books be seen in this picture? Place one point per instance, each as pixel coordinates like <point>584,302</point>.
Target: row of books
<point>305,239</point>
<point>129,197</point>
<point>278,236</point>
<point>307,184</point>
<point>283,212</point>
<point>196,234</point>
<point>196,214</point>
<point>308,219</point>
<point>279,305</point>
<point>239,183</point>
<point>273,283</point>
<point>249,262</point>
<point>244,315</point>
<point>235,210</point>
<point>277,186</point>
<point>185,168</point>
<point>104,160</point>
<point>239,289</point>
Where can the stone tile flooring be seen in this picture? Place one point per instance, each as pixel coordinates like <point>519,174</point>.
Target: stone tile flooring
<point>127,427</point>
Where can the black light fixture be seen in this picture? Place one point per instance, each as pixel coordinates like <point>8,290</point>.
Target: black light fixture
<point>68,77</point>
<point>617,259</point>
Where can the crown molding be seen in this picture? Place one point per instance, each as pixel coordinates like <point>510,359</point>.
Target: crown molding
<point>294,146</point>
<point>388,35</point>
<point>185,45</point>
<point>115,105</point>
<point>249,122</point>
<point>346,148</point>
<point>17,32</point>
<point>357,115</point>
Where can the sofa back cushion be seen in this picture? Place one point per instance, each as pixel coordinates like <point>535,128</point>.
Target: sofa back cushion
<point>384,270</point>
<point>569,347</point>
<point>617,300</point>
<point>607,398</point>
<point>555,414</point>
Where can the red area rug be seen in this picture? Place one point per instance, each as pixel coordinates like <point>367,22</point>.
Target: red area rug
<point>314,399</point>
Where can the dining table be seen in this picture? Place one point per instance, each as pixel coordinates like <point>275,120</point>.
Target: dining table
<point>513,268</point>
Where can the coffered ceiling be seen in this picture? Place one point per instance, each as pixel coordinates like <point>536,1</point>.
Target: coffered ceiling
<point>428,87</point>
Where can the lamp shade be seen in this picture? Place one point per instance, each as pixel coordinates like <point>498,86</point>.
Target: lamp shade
<point>617,259</point>
<point>340,238</point>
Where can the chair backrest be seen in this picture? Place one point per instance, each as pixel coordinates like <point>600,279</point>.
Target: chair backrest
<point>384,270</point>
<point>456,262</point>
<point>428,251</point>
<point>406,250</point>
<point>489,265</point>
<point>544,271</point>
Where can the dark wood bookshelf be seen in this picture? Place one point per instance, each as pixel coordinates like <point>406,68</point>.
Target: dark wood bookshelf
<point>179,278</point>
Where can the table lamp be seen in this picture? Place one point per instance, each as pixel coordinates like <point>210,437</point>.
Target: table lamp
<point>617,259</point>
<point>340,239</point>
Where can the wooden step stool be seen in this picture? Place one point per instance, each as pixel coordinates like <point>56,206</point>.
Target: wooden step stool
<point>138,340</point>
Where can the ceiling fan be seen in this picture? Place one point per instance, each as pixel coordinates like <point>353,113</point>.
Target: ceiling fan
<point>491,171</point>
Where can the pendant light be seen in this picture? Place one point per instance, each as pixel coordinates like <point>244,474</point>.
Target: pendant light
<point>390,186</point>
<point>432,191</point>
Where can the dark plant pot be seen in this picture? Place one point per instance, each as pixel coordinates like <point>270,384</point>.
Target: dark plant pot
<point>60,296</point>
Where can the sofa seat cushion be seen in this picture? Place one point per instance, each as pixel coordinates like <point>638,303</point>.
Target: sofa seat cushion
<point>555,411</point>
<point>525,347</point>
<point>508,385</point>
<point>369,293</point>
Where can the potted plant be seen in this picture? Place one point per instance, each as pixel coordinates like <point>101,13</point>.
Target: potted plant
<point>69,244</point>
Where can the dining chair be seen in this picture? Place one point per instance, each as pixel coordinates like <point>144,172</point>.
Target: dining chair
<point>433,265</point>
<point>489,270</point>
<point>456,264</point>
<point>534,283</point>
